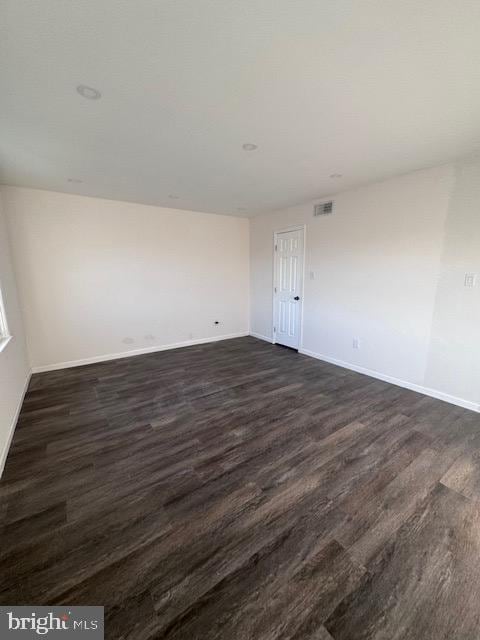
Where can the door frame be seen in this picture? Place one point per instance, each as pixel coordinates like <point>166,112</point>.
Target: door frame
<point>296,227</point>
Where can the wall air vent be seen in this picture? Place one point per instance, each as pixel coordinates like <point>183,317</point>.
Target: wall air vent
<point>323,209</point>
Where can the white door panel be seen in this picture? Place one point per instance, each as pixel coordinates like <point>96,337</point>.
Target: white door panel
<point>288,287</point>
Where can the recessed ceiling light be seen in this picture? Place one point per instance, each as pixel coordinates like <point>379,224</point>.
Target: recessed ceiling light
<point>75,180</point>
<point>335,175</point>
<point>88,92</point>
<point>172,196</point>
<point>249,146</point>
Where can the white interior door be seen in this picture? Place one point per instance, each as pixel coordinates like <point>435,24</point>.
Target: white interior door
<point>288,287</point>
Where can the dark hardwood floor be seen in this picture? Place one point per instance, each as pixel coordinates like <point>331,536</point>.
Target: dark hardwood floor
<point>240,490</point>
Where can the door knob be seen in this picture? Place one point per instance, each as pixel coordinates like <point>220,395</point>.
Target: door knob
<point>296,298</point>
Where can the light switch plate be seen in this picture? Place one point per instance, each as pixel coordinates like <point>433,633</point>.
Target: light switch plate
<point>470,279</point>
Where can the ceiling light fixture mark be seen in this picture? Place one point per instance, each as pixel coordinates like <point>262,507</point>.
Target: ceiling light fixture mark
<point>249,146</point>
<point>88,92</point>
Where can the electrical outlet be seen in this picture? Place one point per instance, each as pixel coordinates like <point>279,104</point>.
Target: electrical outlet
<point>312,275</point>
<point>356,343</point>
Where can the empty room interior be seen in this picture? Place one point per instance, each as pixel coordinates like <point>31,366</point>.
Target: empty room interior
<point>240,319</point>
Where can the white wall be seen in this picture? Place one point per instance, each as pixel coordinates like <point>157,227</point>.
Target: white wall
<point>99,277</point>
<point>454,356</point>
<point>14,369</point>
<point>388,269</point>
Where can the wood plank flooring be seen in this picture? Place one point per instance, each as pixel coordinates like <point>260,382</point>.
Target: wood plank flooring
<point>239,490</point>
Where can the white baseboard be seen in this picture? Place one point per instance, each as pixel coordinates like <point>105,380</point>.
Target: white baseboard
<point>260,337</point>
<point>6,449</point>
<point>134,352</point>
<point>439,395</point>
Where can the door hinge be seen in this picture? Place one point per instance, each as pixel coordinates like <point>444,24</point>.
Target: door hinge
<point>275,289</point>
<point>276,247</point>
<point>274,329</point>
